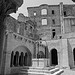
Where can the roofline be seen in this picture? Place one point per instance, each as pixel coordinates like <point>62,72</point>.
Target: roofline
<point>49,5</point>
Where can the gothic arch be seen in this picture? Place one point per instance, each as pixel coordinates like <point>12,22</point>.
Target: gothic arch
<point>54,57</point>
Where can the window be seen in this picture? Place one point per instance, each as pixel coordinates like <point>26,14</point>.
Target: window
<point>53,33</point>
<point>34,13</point>
<point>65,13</point>
<point>44,12</point>
<point>44,21</point>
<point>52,11</point>
<point>53,21</point>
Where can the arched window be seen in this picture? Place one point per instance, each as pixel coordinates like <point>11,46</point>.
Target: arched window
<point>44,12</point>
<point>12,59</point>
<point>44,21</point>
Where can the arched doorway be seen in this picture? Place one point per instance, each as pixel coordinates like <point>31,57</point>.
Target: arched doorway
<point>54,57</point>
<point>74,55</point>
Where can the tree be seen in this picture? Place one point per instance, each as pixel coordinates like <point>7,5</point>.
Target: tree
<point>6,7</point>
<point>73,0</point>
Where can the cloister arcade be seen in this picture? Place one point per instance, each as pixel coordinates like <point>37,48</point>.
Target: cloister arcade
<point>21,58</point>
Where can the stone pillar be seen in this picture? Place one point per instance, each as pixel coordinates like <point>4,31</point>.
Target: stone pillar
<point>3,53</point>
<point>58,58</point>
<point>65,56</point>
<point>7,69</point>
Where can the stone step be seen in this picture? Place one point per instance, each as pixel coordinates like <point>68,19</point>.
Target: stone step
<point>59,72</point>
<point>41,71</point>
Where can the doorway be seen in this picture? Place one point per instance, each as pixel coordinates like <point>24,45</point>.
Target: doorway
<point>54,57</point>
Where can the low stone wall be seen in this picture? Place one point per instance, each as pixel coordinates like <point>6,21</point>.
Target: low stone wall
<point>40,62</point>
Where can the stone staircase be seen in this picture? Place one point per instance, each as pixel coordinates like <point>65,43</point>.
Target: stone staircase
<point>40,71</point>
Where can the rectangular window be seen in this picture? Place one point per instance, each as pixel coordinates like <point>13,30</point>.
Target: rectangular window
<point>52,11</point>
<point>44,21</point>
<point>65,13</point>
<point>53,33</point>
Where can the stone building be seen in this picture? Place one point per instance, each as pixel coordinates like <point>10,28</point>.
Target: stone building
<point>19,45</point>
<point>44,38</point>
<point>56,28</point>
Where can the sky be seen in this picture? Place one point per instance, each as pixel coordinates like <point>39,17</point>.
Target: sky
<point>32,3</point>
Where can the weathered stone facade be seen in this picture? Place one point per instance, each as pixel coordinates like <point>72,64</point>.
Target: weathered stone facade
<point>56,27</point>
<point>19,45</point>
<point>45,38</point>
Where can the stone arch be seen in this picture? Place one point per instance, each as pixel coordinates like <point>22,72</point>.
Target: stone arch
<point>54,57</point>
<point>74,55</point>
<point>40,54</point>
<point>20,55</point>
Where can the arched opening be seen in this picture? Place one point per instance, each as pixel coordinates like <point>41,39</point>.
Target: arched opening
<point>16,58</point>
<point>21,59</point>
<point>40,54</point>
<point>54,57</point>
<point>25,59</point>
<point>74,55</point>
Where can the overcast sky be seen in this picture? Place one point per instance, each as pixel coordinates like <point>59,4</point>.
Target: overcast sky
<point>31,3</point>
